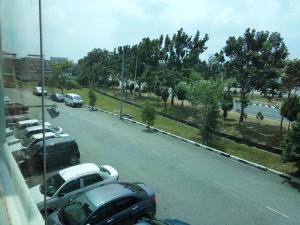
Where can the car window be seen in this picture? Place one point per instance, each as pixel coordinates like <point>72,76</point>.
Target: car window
<point>103,213</point>
<point>92,179</point>
<point>125,203</point>
<point>71,186</point>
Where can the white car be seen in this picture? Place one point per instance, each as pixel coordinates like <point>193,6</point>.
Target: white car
<point>73,100</point>
<point>71,182</point>
<point>29,131</point>
<point>38,91</point>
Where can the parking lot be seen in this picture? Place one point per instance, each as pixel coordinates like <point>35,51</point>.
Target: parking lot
<point>191,184</point>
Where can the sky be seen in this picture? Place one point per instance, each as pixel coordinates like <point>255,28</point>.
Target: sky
<point>72,28</point>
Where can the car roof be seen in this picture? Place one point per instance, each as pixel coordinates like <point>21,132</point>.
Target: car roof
<point>56,140</point>
<point>103,194</point>
<point>28,121</point>
<point>40,135</point>
<point>71,94</point>
<point>78,170</point>
<point>38,127</point>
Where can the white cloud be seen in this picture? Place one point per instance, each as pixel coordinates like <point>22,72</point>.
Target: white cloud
<point>74,27</point>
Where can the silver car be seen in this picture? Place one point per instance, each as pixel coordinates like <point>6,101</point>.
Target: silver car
<point>71,182</point>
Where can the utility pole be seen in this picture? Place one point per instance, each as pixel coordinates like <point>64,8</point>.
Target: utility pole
<point>122,88</point>
<point>43,110</point>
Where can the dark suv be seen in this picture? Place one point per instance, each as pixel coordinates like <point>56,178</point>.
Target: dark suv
<point>59,151</point>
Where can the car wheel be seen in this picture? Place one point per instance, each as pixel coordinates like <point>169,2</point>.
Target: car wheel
<point>49,211</point>
<point>73,160</point>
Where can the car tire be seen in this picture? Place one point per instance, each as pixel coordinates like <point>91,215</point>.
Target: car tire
<point>49,211</point>
<point>73,160</point>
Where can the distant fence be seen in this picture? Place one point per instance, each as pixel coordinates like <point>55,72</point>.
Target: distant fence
<point>219,133</point>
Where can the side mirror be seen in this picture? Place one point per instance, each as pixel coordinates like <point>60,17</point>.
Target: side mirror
<point>60,194</point>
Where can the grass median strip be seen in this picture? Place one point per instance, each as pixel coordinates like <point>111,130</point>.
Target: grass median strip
<point>243,151</point>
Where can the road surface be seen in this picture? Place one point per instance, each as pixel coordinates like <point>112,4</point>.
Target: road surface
<point>192,184</point>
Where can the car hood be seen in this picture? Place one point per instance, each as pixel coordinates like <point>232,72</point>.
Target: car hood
<point>36,194</point>
<point>53,219</point>
<point>175,222</point>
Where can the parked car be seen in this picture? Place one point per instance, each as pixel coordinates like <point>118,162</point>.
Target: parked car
<point>38,91</point>
<point>12,120</point>
<point>57,97</point>
<point>14,108</point>
<point>70,182</point>
<point>29,131</point>
<point>7,100</point>
<point>19,149</point>
<point>23,124</point>
<point>118,203</point>
<point>27,142</point>
<point>60,151</point>
<point>73,100</point>
<point>146,221</point>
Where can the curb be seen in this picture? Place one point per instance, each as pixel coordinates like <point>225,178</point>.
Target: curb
<point>235,158</point>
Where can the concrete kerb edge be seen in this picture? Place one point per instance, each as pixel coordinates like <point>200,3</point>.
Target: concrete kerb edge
<point>252,164</point>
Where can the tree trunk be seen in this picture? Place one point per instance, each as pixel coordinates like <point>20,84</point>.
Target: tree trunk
<point>172,99</point>
<point>281,121</point>
<point>242,107</point>
<point>182,103</point>
<point>224,114</point>
<point>140,93</point>
<point>289,125</point>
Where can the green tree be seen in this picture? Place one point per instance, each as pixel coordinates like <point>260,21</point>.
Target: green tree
<point>181,90</point>
<point>92,98</point>
<point>205,96</point>
<point>148,114</point>
<point>253,59</point>
<point>227,103</point>
<point>291,144</point>
<point>60,74</point>
<point>259,117</point>
<point>291,78</point>
<point>180,55</point>
<point>290,108</point>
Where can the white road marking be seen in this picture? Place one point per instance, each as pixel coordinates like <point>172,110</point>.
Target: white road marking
<point>156,153</point>
<point>273,210</point>
<point>222,185</point>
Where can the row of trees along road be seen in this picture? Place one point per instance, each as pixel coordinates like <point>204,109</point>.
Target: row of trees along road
<point>256,60</point>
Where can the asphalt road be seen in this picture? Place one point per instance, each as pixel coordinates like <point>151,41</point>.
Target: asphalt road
<point>192,184</point>
<point>268,112</point>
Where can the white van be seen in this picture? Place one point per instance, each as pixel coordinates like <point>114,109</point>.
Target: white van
<point>73,100</point>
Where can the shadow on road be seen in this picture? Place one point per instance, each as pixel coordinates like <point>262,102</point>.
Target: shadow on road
<point>146,130</point>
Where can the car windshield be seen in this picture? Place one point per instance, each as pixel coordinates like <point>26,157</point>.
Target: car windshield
<point>34,149</point>
<point>104,170</point>
<point>76,97</point>
<point>74,213</point>
<point>53,184</point>
<point>27,141</point>
<point>134,188</point>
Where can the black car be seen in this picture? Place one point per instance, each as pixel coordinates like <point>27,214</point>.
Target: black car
<point>114,204</point>
<point>57,97</point>
<point>15,108</point>
<point>146,221</point>
<point>60,151</point>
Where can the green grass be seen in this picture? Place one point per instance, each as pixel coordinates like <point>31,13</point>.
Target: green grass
<point>249,153</point>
